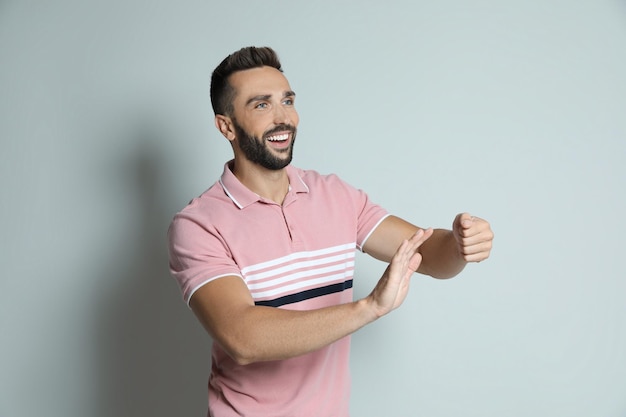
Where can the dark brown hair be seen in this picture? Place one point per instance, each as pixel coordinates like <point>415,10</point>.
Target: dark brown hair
<point>222,93</point>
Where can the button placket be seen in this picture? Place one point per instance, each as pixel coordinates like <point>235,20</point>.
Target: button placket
<point>292,227</point>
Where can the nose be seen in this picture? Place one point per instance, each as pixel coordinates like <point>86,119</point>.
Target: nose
<point>281,115</point>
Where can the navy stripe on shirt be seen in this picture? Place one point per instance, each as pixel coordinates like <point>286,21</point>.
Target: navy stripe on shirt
<point>306,295</point>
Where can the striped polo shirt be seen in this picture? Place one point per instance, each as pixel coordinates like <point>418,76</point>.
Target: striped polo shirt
<point>300,256</point>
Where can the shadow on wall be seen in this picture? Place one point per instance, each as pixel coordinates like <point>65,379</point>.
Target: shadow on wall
<point>153,355</point>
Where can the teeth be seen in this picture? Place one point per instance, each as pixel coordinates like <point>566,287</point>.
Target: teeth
<point>278,138</point>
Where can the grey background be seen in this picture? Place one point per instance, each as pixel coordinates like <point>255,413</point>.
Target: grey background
<point>514,111</point>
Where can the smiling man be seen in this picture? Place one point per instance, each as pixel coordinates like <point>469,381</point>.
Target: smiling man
<point>265,257</point>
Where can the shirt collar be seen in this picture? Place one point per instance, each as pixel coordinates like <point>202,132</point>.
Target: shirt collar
<point>242,196</point>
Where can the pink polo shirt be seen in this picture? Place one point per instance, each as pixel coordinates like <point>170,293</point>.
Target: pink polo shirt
<point>299,256</point>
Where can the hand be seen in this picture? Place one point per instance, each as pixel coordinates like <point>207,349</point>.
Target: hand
<point>473,236</point>
<point>393,287</point>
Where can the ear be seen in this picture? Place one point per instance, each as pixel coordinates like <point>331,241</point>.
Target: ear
<point>225,125</point>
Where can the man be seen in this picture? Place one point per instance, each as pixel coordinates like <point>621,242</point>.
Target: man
<point>265,257</point>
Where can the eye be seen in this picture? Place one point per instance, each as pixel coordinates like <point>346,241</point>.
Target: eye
<point>261,106</point>
<point>288,102</point>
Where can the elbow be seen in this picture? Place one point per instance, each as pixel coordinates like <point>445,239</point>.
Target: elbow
<point>241,353</point>
<point>241,359</point>
<point>443,277</point>
<point>243,362</point>
<point>443,270</point>
<point>439,275</point>
<point>448,274</point>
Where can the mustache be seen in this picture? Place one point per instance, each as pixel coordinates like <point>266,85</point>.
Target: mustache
<point>280,128</point>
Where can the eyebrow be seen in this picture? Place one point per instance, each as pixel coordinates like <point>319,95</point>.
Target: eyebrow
<point>264,97</point>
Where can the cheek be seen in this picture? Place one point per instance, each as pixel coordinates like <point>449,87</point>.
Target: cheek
<point>295,118</point>
<point>257,124</point>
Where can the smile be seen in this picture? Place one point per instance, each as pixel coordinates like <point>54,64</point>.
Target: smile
<point>278,138</point>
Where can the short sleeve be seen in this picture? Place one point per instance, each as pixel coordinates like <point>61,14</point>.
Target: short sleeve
<point>368,214</point>
<point>197,254</point>
<point>370,217</point>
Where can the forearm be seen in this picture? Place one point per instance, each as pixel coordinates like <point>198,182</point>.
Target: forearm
<point>250,333</point>
<point>441,257</point>
<point>268,333</point>
<point>440,254</point>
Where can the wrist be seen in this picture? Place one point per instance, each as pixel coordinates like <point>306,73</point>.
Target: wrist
<point>367,309</point>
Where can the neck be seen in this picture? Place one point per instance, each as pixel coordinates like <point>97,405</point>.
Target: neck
<point>270,184</point>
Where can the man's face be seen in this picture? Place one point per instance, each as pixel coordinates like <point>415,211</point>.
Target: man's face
<point>264,117</point>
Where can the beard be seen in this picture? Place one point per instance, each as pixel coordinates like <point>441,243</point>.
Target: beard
<point>255,149</point>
